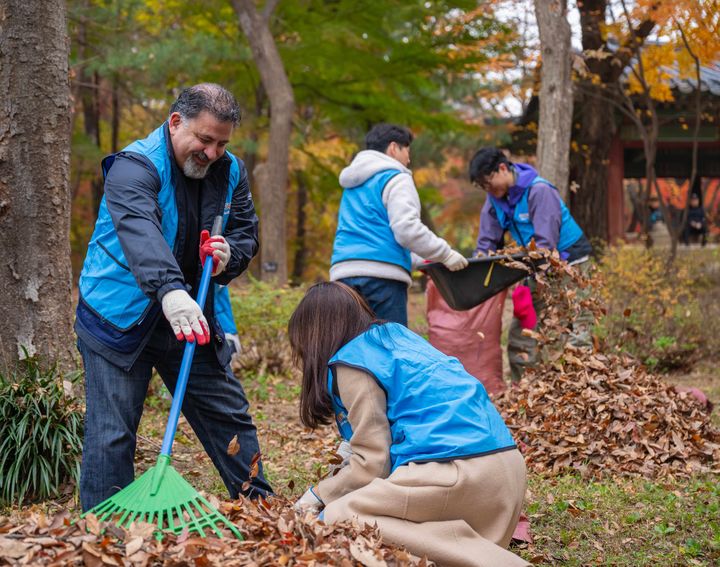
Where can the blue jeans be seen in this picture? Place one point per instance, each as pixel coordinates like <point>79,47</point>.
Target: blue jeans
<point>387,298</point>
<point>215,406</point>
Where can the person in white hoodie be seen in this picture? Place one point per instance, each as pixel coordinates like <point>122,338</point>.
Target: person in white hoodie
<point>380,236</point>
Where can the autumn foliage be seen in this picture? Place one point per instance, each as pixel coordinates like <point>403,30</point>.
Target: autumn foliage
<point>601,413</point>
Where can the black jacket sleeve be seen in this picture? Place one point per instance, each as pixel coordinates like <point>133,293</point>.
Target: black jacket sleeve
<point>131,195</point>
<point>241,231</point>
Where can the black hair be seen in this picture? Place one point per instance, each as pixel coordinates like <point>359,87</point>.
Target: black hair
<point>208,97</point>
<point>382,135</point>
<point>485,162</point>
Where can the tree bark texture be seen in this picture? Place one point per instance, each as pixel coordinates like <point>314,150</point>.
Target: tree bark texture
<point>589,164</point>
<point>271,176</point>
<point>35,271</point>
<point>300,229</point>
<point>556,93</point>
<point>597,117</point>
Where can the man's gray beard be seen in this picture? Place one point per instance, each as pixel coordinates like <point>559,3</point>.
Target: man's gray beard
<point>193,170</point>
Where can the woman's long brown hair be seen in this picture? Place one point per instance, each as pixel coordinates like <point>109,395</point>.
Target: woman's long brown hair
<point>330,315</point>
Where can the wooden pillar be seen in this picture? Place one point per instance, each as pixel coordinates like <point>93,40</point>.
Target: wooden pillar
<point>616,192</point>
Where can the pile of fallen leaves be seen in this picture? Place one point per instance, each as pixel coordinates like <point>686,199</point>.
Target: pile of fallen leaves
<point>274,535</point>
<point>600,413</point>
<point>606,415</point>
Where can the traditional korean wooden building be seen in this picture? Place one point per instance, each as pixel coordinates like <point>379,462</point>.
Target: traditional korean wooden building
<point>674,147</point>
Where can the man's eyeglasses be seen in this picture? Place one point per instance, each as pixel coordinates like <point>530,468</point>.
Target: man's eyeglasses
<point>484,183</point>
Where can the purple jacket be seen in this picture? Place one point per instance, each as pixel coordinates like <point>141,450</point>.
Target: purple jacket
<point>543,206</point>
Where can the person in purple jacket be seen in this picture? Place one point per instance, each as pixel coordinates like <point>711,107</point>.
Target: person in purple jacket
<point>530,208</point>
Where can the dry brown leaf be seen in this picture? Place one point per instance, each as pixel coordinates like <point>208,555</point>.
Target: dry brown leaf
<point>233,447</point>
<point>365,555</point>
<point>141,529</point>
<point>13,548</point>
<point>133,546</point>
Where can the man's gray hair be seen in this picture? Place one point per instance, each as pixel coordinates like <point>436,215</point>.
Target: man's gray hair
<point>208,97</point>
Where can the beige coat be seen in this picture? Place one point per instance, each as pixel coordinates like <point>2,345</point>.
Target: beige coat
<point>457,513</point>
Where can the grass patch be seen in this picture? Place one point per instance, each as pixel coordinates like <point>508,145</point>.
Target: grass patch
<point>262,311</point>
<point>625,521</point>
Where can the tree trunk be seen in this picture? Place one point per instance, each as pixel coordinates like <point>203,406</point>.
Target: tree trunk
<point>271,176</point>
<point>590,162</point>
<point>115,118</point>
<point>35,272</point>
<point>300,231</point>
<point>556,97</point>
<point>597,115</point>
<point>89,86</point>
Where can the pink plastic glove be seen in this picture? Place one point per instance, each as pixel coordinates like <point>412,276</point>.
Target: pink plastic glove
<point>523,308</point>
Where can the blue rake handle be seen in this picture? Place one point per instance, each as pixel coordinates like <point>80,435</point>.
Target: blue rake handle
<point>182,380</point>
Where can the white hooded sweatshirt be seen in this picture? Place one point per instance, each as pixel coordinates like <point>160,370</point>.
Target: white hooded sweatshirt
<point>400,198</point>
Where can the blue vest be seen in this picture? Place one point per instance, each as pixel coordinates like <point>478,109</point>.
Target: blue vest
<point>223,310</point>
<point>363,231</point>
<point>521,226</point>
<point>106,284</point>
<point>437,411</point>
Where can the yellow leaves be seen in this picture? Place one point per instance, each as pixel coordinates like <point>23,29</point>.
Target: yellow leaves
<point>657,62</point>
<point>329,152</point>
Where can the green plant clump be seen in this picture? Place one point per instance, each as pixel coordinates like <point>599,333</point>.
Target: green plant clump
<point>262,311</point>
<point>664,317</point>
<point>41,431</point>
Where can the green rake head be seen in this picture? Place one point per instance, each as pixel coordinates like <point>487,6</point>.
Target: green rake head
<point>162,497</point>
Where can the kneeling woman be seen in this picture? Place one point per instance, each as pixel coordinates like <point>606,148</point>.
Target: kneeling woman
<point>432,462</point>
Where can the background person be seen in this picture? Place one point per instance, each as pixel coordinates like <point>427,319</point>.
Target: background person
<point>696,228</point>
<point>379,225</point>
<point>530,208</point>
<point>226,319</point>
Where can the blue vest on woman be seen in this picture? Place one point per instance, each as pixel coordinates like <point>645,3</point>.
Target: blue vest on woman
<point>437,411</point>
<point>106,284</point>
<point>521,226</point>
<point>363,231</point>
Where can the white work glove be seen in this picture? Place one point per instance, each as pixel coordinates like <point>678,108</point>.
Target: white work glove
<point>234,340</point>
<point>344,452</point>
<point>309,502</point>
<point>216,246</point>
<point>455,261</point>
<point>185,317</point>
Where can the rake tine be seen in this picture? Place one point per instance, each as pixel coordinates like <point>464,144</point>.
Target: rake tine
<point>133,517</point>
<point>125,514</point>
<point>193,520</point>
<point>210,519</point>
<point>217,530</point>
<point>107,505</point>
<point>180,521</point>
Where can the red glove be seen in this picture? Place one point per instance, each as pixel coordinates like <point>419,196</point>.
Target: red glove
<point>217,247</point>
<point>523,308</point>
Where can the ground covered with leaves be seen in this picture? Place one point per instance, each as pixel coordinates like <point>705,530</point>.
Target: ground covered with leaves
<point>274,535</point>
<point>605,415</point>
<point>595,411</point>
<point>622,466</point>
